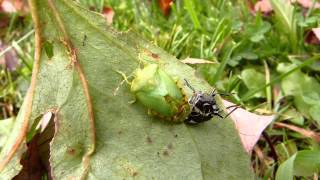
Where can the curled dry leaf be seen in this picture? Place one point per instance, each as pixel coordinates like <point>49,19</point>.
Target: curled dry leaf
<point>265,7</point>
<point>313,36</point>
<point>196,61</point>
<point>307,3</point>
<point>108,13</point>
<point>44,121</point>
<point>249,125</point>
<point>10,59</point>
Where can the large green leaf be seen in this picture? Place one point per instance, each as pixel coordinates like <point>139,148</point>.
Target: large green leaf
<point>304,88</point>
<point>253,80</point>
<point>98,133</point>
<point>5,129</point>
<point>302,163</point>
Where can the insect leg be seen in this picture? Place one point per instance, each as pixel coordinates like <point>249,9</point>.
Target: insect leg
<point>219,115</point>
<point>187,83</point>
<point>213,93</point>
<point>232,106</point>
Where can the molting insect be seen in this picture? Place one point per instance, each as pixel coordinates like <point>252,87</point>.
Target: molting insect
<point>160,93</point>
<point>203,106</point>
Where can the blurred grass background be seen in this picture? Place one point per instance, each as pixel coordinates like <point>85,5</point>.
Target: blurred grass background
<point>268,60</point>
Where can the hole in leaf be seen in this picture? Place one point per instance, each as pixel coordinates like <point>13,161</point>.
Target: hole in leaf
<point>35,160</point>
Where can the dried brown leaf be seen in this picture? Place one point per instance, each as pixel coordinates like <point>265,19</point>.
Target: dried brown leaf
<point>313,36</point>
<point>165,6</point>
<point>108,13</point>
<point>10,59</point>
<point>304,132</point>
<point>263,6</point>
<point>44,121</point>
<point>196,61</point>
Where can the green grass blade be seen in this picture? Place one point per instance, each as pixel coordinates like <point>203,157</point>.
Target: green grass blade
<point>284,12</point>
<point>223,64</point>
<point>190,8</point>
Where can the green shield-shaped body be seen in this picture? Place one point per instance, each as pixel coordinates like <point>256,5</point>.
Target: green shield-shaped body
<point>156,90</point>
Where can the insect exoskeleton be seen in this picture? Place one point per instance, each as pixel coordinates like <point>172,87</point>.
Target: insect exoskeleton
<point>157,91</point>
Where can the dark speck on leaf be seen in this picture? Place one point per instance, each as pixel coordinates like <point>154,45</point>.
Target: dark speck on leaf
<point>84,40</point>
<point>156,56</point>
<point>176,135</point>
<point>165,153</point>
<point>71,151</point>
<point>149,140</point>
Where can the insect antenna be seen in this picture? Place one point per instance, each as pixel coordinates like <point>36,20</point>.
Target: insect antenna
<point>246,134</point>
<point>226,94</point>
<point>187,83</point>
<point>235,108</point>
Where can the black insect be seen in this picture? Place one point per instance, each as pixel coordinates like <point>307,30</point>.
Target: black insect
<point>204,106</point>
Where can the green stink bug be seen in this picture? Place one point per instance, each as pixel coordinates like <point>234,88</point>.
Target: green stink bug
<point>157,91</point>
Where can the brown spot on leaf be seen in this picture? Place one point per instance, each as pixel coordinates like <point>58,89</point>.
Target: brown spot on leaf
<point>130,169</point>
<point>149,140</point>
<point>166,153</point>
<point>71,151</point>
<point>135,174</point>
<point>154,55</point>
